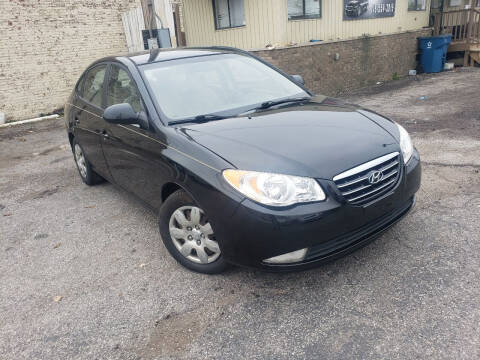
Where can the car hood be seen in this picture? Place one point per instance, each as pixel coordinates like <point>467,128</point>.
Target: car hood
<point>320,139</point>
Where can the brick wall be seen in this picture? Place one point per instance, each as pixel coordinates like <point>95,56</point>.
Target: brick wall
<point>361,62</point>
<point>46,44</point>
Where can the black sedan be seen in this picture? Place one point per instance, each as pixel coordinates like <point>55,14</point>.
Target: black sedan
<point>243,164</point>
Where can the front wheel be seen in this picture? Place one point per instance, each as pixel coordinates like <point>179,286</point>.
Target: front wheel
<point>188,235</point>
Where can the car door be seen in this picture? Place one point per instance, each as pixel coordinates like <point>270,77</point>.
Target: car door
<point>88,120</point>
<point>133,154</point>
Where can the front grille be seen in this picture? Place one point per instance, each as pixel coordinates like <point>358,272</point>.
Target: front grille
<point>356,187</point>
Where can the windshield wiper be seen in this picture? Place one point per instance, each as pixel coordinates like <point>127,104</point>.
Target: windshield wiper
<point>198,119</point>
<point>269,104</point>
<point>209,117</point>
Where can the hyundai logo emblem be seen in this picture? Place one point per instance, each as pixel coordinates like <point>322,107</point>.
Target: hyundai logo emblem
<point>375,177</point>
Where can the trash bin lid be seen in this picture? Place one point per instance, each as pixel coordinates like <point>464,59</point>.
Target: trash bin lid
<point>445,36</point>
<point>434,42</point>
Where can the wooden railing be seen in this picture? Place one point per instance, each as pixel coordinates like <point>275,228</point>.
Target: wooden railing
<point>464,25</point>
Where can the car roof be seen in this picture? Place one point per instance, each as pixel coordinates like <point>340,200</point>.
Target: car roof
<point>157,55</point>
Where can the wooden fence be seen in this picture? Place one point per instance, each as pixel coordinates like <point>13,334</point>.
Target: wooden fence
<point>133,24</point>
<point>464,25</point>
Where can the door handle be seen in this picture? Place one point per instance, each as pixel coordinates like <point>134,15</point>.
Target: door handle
<point>76,120</point>
<point>105,134</point>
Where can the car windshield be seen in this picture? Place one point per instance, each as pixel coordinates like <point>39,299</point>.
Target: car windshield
<point>226,83</point>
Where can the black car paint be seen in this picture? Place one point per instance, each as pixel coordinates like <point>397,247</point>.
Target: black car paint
<point>318,139</point>
<point>302,140</point>
<point>356,8</point>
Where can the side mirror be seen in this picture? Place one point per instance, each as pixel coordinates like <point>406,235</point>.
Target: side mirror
<point>298,79</point>
<point>121,114</point>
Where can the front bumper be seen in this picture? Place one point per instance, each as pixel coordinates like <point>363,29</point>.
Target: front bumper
<point>330,229</point>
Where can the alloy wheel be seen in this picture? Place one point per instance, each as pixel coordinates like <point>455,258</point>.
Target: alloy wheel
<point>193,235</point>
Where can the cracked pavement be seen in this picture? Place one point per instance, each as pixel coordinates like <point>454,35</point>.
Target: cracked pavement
<point>84,275</point>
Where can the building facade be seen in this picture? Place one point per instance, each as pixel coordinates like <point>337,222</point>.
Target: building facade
<point>450,5</point>
<point>256,24</point>
<point>45,46</point>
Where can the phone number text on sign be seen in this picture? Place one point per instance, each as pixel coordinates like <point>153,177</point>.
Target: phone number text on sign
<point>368,9</point>
<point>384,8</point>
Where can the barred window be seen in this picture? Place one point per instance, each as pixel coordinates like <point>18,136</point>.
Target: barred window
<point>229,13</point>
<point>455,3</point>
<point>304,9</point>
<point>414,5</point>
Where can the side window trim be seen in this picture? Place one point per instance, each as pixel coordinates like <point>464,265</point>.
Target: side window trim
<point>103,88</point>
<point>105,85</point>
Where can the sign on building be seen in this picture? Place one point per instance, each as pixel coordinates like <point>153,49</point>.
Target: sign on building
<point>368,9</point>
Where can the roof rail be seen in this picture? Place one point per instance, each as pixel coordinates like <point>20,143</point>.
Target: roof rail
<point>224,48</point>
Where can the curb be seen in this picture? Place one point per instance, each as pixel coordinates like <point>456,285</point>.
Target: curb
<point>49,117</point>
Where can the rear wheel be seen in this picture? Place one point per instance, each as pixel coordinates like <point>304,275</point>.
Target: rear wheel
<point>88,176</point>
<point>188,235</point>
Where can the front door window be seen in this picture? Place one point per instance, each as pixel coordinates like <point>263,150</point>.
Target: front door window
<point>121,89</point>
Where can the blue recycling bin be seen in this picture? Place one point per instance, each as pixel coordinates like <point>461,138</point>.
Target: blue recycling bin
<point>434,52</point>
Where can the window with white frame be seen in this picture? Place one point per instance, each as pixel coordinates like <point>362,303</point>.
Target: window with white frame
<point>455,3</point>
<point>304,9</point>
<point>414,5</point>
<point>436,4</point>
<point>229,13</point>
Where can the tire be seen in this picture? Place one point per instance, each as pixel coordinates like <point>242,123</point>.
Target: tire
<point>84,168</point>
<point>192,234</point>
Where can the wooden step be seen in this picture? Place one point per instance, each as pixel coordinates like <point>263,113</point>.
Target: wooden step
<point>475,56</point>
<point>462,46</point>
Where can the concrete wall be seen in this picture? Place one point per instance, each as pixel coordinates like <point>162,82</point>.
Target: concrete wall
<point>361,62</point>
<point>46,44</point>
<point>267,23</point>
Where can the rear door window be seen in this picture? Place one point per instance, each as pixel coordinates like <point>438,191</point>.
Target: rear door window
<point>79,88</point>
<point>93,85</point>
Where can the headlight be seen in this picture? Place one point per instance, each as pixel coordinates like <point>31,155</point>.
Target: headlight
<point>274,189</point>
<point>405,144</point>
